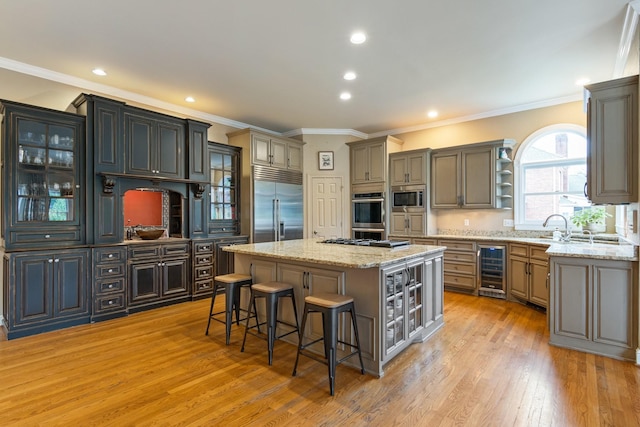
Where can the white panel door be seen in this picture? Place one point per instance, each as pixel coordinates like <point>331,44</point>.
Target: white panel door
<point>327,207</point>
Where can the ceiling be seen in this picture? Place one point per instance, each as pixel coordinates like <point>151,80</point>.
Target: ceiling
<point>278,64</point>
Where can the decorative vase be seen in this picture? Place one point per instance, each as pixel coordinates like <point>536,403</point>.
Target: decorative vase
<point>594,228</point>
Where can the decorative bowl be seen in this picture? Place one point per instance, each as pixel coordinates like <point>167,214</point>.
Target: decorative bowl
<point>150,234</point>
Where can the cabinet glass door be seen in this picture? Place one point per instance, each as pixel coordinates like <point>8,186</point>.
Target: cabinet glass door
<point>223,186</point>
<point>414,295</point>
<point>45,172</point>
<point>394,307</point>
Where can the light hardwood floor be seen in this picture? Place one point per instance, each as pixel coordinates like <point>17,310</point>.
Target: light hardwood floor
<point>489,366</point>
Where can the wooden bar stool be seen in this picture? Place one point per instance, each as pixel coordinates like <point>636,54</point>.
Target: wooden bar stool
<point>330,305</point>
<point>271,292</point>
<point>231,284</point>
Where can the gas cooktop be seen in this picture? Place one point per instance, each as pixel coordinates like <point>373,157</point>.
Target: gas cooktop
<point>367,242</point>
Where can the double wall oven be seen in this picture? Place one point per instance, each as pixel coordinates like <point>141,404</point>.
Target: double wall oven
<point>367,216</point>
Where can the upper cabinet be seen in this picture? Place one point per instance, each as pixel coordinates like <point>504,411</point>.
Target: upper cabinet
<point>42,171</point>
<point>155,144</point>
<point>475,176</point>
<point>612,134</point>
<point>408,167</point>
<point>369,159</point>
<point>268,150</point>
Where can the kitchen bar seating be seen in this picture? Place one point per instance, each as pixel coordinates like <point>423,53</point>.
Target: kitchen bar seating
<point>232,283</point>
<point>271,292</point>
<point>330,305</point>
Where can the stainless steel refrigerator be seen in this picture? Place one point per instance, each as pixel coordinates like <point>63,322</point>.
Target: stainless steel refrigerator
<point>277,205</point>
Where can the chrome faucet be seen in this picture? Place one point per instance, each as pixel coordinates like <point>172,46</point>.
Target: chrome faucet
<point>590,236</point>
<point>566,236</point>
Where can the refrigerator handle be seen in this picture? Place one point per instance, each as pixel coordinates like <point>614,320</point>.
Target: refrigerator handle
<point>282,230</point>
<point>275,220</point>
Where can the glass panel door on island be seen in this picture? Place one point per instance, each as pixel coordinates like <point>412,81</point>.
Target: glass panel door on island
<point>45,172</point>
<point>223,188</point>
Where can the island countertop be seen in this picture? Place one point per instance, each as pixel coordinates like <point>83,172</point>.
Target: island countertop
<point>314,251</point>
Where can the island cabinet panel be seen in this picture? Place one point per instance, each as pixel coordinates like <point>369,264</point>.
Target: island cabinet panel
<point>593,306</point>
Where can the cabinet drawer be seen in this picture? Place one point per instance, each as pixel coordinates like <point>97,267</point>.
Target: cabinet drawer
<point>137,252</point>
<point>109,270</point>
<point>459,268</point>
<point>55,237</point>
<point>459,245</point>
<point>204,259</point>
<point>201,247</point>
<point>539,252</point>
<point>459,281</point>
<point>107,286</point>
<point>175,249</point>
<point>469,257</point>
<point>109,255</point>
<point>109,303</point>
<point>419,241</point>
<point>516,249</point>
<point>204,272</point>
<point>204,285</point>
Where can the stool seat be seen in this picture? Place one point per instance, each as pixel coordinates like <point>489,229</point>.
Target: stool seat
<point>232,277</point>
<point>231,283</point>
<point>271,292</point>
<point>271,287</point>
<point>328,300</point>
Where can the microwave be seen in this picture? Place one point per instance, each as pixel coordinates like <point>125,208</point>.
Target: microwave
<point>407,197</point>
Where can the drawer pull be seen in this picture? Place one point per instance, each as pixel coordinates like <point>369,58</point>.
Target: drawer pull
<point>110,270</point>
<point>110,256</point>
<point>110,286</point>
<point>47,236</point>
<point>110,302</point>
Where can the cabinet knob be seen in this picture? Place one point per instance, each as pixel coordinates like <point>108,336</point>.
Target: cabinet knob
<point>56,260</point>
<point>110,286</point>
<point>110,270</point>
<point>47,236</point>
<point>110,302</point>
<point>110,256</point>
<point>50,260</point>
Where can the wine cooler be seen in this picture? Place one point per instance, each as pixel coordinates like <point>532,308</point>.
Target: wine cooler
<point>492,271</point>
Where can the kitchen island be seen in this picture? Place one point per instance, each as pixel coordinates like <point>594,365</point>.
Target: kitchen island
<point>398,292</point>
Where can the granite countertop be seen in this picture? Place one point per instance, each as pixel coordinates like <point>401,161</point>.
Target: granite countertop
<point>575,248</point>
<point>313,251</point>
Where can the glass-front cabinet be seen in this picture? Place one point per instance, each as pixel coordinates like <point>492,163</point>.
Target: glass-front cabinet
<point>404,304</point>
<point>223,211</point>
<point>41,189</point>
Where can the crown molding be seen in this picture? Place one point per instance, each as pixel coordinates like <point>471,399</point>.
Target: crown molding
<point>626,38</point>
<point>88,85</point>
<point>325,131</point>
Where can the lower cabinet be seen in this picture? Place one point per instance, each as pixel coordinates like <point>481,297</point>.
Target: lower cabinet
<point>224,259</point>
<point>45,290</point>
<point>460,265</point>
<point>593,306</point>
<point>203,267</point>
<point>528,273</point>
<point>109,286</point>
<point>158,273</point>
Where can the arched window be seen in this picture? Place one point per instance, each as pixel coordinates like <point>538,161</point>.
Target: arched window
<point>551,173</point>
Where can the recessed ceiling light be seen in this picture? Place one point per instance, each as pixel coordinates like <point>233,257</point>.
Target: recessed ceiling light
<point>99,72</point>
<point>358,38</point>
<point>349,75</point>
<point>345,96</point>
<point>432,114</point>
<point>190,99</point>
<point>582,81</point>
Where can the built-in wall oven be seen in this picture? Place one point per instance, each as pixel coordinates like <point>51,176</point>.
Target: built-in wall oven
<point>367,215</point>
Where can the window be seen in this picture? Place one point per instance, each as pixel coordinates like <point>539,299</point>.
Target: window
<point>551,173</point>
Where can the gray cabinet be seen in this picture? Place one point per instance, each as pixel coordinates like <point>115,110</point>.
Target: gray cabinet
<point>109,287</point>
<point>473,176</point>
<point>460,265</point>
<point>154,145</point>
<point>528,273</point>
<point>612,134</point>
<point>369,159</point>
<point>158,273</point>
<point>267,150</point>
<point>45,290</point>
<point>594,306</point>
<point>408,167</point>
<point>408,223</point>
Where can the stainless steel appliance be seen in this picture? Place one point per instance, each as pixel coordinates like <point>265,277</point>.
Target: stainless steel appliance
<point>277,205</point>
<point>492,271</point>
<point>368,242</point>
<point>368,233</point>
<point>367,211</point>
<point>406,198</point>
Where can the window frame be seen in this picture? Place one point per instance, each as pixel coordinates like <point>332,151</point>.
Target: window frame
<point>519,170</point>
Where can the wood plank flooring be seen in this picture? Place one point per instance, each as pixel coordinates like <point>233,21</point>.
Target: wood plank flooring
<point>489,366</point>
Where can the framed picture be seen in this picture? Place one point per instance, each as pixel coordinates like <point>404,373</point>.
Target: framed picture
<point>325,160</point>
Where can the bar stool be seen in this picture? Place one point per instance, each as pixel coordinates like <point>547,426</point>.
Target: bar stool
<point>231,284</point>
<point>330,305</point>
<point>271,292</point>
